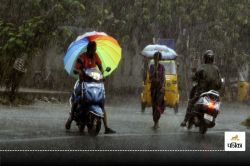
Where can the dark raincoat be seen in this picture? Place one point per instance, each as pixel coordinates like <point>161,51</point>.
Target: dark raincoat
<point>208,78</point>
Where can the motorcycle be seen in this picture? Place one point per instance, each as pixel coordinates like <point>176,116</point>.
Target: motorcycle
<point>90,99</point>
<point>205,111</point>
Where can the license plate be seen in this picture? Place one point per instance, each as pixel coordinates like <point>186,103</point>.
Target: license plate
<point>208,117</point>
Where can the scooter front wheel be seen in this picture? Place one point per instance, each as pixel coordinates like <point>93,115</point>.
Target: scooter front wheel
<point>95,126</point>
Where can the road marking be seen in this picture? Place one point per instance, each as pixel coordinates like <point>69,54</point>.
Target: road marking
<point>182,132</point>
<point>104,135</point>
<point>38,139</point>
<point>107,150</point>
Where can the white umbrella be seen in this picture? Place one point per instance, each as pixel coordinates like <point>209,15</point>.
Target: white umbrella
<point>166,52</point>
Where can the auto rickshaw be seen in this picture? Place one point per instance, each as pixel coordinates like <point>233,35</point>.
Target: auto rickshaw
<point>243,91</point>
<point>171,98</point>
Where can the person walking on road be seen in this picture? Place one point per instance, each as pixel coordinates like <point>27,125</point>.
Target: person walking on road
<point>157,88</point>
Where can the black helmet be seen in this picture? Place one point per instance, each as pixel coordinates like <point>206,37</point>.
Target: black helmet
<point>209,56</point>
<point>91,45</point>
<point>158,54</point>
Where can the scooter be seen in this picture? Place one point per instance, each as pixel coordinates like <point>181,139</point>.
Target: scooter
<point>205,111</point>
<point>89,111</point>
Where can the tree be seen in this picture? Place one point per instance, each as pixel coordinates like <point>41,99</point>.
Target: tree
<point>29,32</point>
<point>204,24</point>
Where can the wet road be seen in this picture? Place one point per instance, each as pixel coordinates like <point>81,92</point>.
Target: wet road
<point>36,133</point>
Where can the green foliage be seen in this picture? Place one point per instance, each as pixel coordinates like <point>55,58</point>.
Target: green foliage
<point>223,25</point>
<point>29,26</point>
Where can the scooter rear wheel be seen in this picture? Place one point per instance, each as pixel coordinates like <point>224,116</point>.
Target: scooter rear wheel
<point>95,126</point>
<point>202,129</point>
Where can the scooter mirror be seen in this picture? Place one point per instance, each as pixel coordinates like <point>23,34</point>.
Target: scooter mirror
<point>223,80</point>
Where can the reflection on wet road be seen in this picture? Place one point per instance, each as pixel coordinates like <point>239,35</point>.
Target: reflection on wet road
<point>41,127</point>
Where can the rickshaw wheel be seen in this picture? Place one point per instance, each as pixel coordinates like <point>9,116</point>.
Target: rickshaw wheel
<point>143,107</point>
<point>176,108</point>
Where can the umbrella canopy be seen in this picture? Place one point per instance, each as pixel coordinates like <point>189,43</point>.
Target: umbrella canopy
<point>166,52</point>
<point>107,48</point>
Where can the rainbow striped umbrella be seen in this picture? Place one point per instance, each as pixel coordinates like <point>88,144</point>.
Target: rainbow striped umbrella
<point>107,48</point>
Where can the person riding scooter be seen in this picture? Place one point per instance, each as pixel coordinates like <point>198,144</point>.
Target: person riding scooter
<point>207,77</point>
<point>86,60</point>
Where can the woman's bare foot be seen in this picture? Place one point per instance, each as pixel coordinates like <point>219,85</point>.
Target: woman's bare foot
<point>156,126</point>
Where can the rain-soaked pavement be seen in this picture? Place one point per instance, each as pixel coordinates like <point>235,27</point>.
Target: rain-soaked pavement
<point>38,131</point>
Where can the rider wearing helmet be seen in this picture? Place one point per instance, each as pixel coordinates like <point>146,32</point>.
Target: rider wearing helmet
<point>207,77</point>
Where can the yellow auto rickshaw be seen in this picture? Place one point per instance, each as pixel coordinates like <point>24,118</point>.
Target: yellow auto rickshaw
<point>171,98</point>
<point>243,90</point>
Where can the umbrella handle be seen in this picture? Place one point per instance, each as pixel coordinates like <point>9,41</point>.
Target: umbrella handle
<point>108,69</point>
